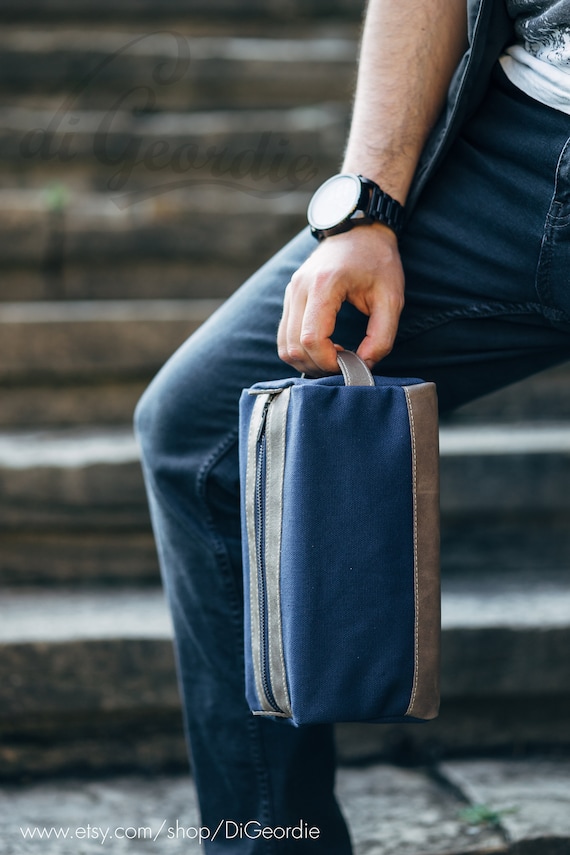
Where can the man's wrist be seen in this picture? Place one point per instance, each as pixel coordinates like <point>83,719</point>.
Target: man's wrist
<point>394,177</point>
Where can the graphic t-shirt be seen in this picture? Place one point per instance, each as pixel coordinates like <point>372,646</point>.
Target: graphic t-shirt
<point>539,61</point>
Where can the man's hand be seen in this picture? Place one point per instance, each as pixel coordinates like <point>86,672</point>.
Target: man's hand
<point>362,267</point>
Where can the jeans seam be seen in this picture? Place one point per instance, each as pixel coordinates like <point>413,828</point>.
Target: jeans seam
<point>553,221</point>
<point>542,278</point>
<point>216,539</point>
<point>479,311</point>
<point>555,199</point>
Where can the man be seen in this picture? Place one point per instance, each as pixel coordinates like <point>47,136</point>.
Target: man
<point>481,166</point>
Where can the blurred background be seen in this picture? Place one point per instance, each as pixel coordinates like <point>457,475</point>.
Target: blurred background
<point>152,155</point>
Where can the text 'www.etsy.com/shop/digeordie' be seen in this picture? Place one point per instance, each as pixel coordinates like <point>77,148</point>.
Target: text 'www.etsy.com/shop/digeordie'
<point>227,829</point>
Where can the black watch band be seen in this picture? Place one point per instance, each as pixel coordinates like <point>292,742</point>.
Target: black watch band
<point>384,209</point>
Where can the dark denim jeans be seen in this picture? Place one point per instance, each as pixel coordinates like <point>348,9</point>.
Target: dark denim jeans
<point>487,262</point>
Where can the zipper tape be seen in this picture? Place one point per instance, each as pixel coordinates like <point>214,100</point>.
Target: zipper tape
<point>264,515</point>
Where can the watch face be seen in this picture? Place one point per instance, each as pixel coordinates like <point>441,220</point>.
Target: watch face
<point>335,201</point>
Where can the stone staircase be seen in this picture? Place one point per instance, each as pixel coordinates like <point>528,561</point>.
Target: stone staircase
<point>149,160</point>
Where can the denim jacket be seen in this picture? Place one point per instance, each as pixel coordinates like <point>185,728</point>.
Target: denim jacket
<point>489,30</point>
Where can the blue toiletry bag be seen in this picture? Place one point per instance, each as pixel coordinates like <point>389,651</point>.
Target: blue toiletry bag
<point>340,524</point>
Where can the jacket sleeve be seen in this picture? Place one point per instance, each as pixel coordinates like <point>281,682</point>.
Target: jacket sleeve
<point>490,30</point>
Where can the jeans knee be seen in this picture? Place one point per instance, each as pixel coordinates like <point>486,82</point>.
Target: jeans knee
<point>176,429</point>
<point>153,427</point>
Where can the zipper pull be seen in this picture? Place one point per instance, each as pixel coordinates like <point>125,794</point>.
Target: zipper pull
<point>271,393</point>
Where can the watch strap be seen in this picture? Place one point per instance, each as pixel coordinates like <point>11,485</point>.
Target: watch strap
<point>384,209</point>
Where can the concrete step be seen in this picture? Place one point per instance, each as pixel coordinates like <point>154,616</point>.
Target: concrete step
<point>166,70</point>
<point>390,811</point>
<point>94,338</point>
<point>153,229</point>
<point>135,277</point>
<point>122,149</point>
<point>87,361</point>
<point>79,403</point>
<point>68,497</point>
<point>78,664</point>
<point>505,468</point>
<point>529,798</point>
<point>211,10</point>
<point>108,660</point>
<point>80,481</point>
<point>39,230</point>
<point>80,558</point>
<point>540,398</point>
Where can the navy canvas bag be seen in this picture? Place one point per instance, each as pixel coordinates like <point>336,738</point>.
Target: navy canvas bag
<point>340,524</point>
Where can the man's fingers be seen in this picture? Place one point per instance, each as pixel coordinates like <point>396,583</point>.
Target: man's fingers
<point>381,330</point>
<point>289,344</point>
<point>317,328</point>
<point>307,322</point>
<point>289,328</point>
<point>282,330</point>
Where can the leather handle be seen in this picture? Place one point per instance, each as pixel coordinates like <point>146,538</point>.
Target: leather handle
<point>354,370</point>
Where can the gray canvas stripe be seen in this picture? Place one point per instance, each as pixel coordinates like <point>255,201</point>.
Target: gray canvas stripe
<point>421,401</point>
<point>275,474</point>
<point>254,426</point>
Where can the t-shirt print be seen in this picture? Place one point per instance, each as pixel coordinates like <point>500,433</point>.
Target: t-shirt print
<point>543,28</point>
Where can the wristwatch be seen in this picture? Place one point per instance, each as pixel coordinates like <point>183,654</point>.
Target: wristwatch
<point>347,200</point>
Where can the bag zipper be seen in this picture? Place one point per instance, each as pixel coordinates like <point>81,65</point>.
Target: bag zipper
<point>260,484</point>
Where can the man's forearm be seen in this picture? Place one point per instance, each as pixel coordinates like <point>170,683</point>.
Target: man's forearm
<point>409,51</point>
